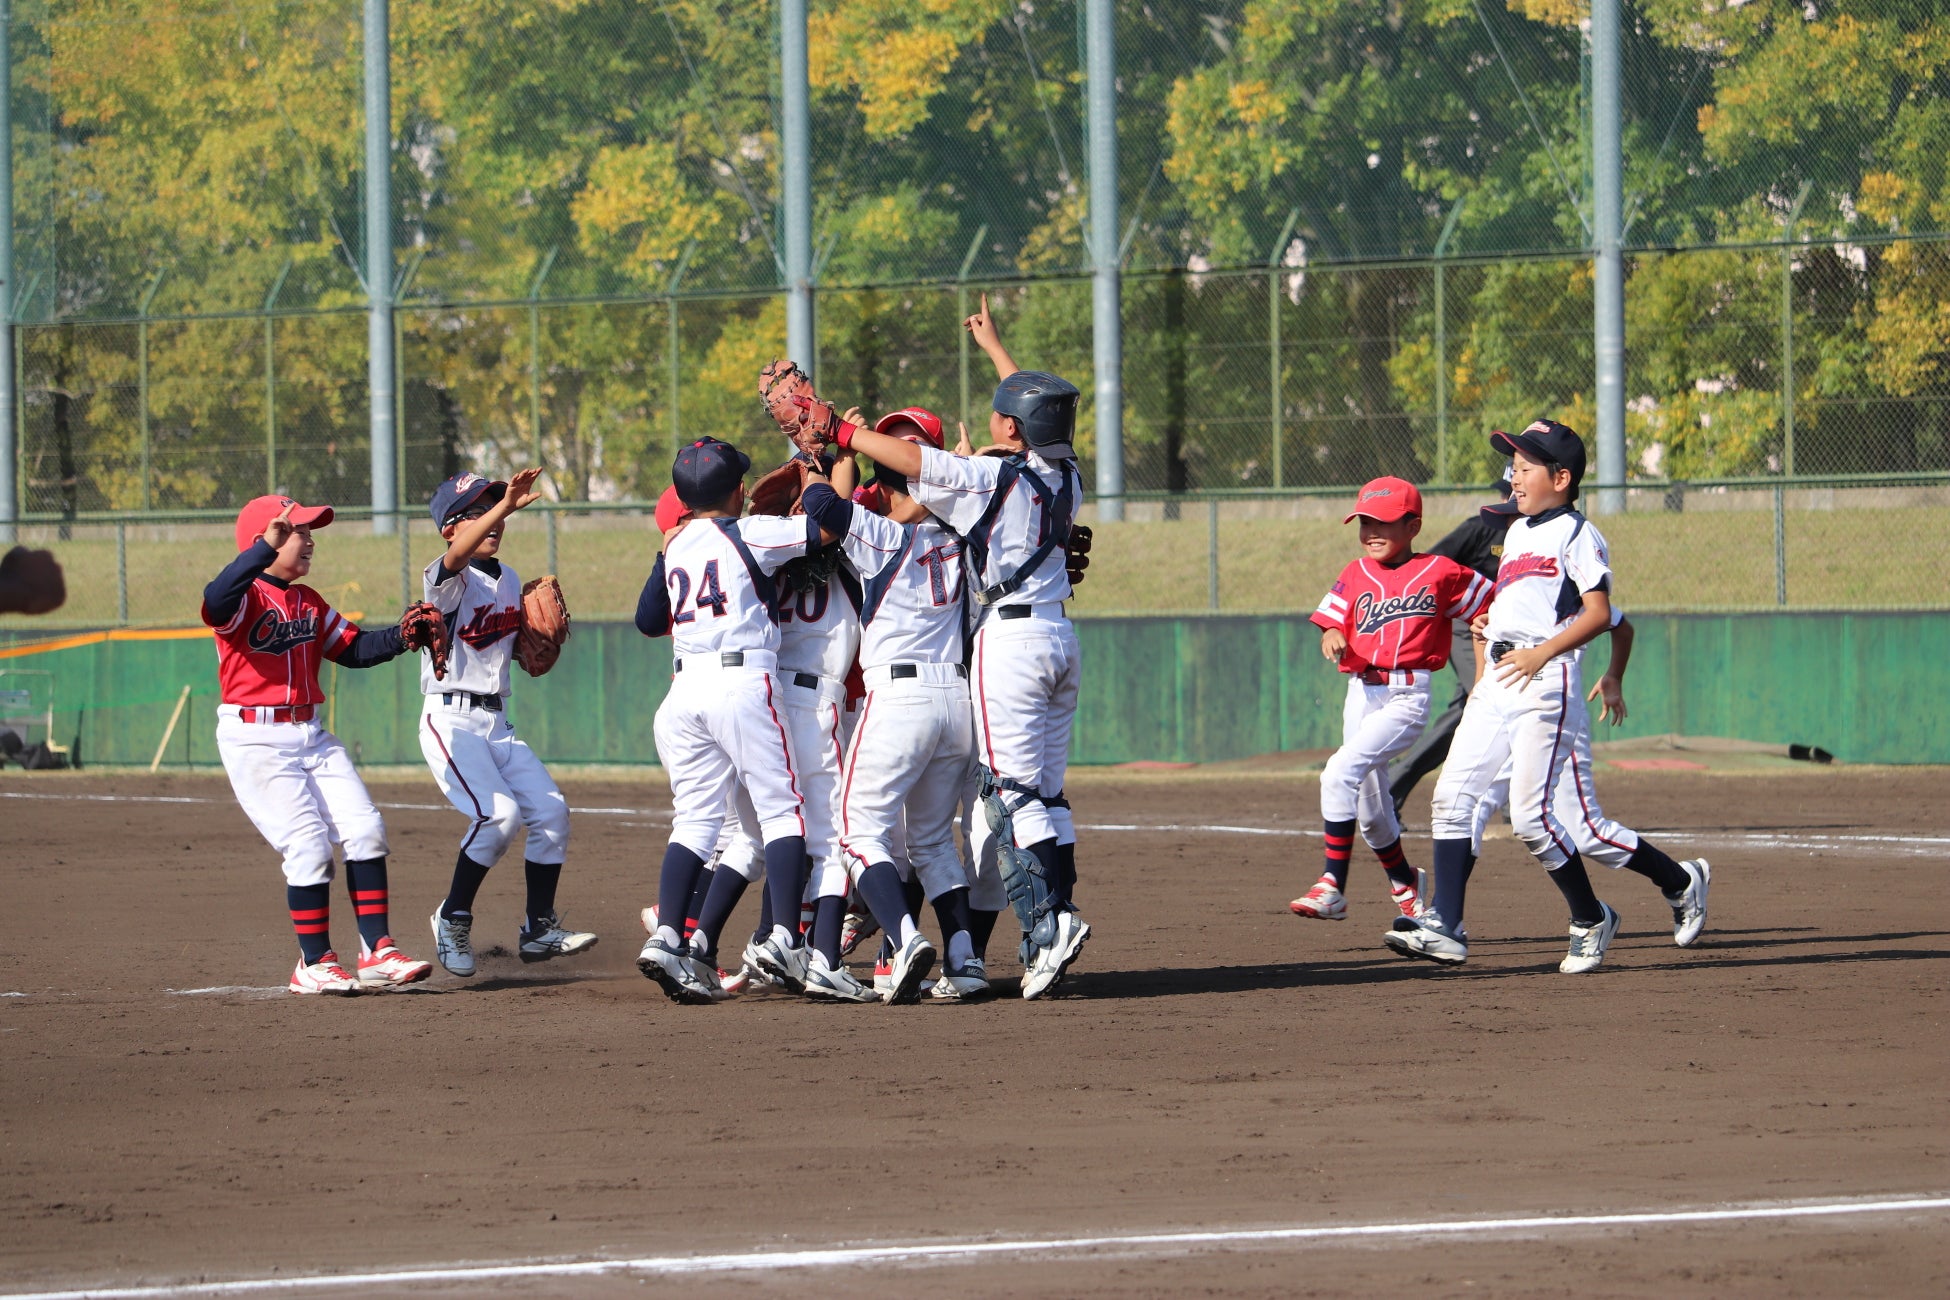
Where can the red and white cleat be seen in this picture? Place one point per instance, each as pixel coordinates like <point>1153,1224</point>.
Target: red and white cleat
<point>323,976</point>
<point>1324,902</point>
<point>1407,899</point>
<point>386,964</point>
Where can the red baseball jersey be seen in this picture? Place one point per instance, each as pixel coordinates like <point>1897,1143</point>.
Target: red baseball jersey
<point>1401,617</point>
<point>268,654</point>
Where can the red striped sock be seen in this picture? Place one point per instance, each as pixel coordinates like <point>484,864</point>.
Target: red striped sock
<point>1395,863</point>
<point>1340,842</point>
<point>367,880</point>
<point>311,918</point>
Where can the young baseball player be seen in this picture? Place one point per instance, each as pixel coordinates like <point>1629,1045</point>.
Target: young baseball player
<point>487,772</point>
<point>294,779</point>
<point>1387,624</point>
<point>1013,513</point>
<point>721,726</point>
<point>1553,596</point>
<point>914,746</point>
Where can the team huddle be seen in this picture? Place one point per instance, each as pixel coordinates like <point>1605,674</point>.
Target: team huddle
<point>860,671</point>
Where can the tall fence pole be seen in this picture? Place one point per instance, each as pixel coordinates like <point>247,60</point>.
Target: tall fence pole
<point>961,309</point>
<point>380,369</point>
<point>1608,198</point>
<point>1787,338</point>
<point>797,168</point>
<point>142,380</point>
<point>9,428</point>
<point>271,380</point>
<point>1106,300</point>
<point>1780,544</point>
<point>1212,553</point>
<point>675,358</point>
<point>1442,346</point>
<point>535,354</point>
<point>1277,400</point>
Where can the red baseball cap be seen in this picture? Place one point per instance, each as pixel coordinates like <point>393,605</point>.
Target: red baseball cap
<point>1385,500</point>
<point>927,421</point>
<point>257,515</point>
<point>670,510</point>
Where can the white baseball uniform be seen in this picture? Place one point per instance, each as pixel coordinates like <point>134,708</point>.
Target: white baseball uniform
<point>914,746</point>
<point>1539,725</point>
<point>723,725</point>
<point>483,768</point>
<point>1026,663</point>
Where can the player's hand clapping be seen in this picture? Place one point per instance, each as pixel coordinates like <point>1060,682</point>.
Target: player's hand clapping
<point>1612,706</point>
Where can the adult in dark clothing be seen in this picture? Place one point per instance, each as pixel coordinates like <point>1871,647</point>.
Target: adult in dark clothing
<point>1477,543</point>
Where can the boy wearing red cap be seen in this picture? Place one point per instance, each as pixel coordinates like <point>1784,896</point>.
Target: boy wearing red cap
<point>1386,623</point>
<point>294,779</point>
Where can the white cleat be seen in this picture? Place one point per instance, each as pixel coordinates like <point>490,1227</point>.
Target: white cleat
<point>1588,944</point>
<point>1689,906</point>
<point>968,982</point>
<point>1047,968</point>
<point>1324,902</point>
<point>552,940</point>
<point>674,972</point>
<point>323,976</point>
<point>1427,938</point>
<point>830,985</point>
<point>911,965</point>
<point>453,943</point>
<point>782,966</point>
<point>387,966</point>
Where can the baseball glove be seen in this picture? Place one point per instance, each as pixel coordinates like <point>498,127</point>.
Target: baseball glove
<point>1076,555</point>
<point>422,627</point>
<point>778,493</point>
<point>789,399</point>
<point>544,625</point>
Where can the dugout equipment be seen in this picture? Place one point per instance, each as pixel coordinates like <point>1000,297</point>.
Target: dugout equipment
<point>544,625</point>
<point>422,627</point>
<point>1032,894</point>
<point>1046,408</point>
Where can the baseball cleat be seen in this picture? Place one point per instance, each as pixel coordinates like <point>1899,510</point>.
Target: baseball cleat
<point>1324,902</point>
<point>553,940</point>
<point>883,977</point>
<point>910,966</point>
<point>1049,966</point>
<point>386,964</point>
<point>1406,898</point>
<point>323,976</point>
<point>783,967</point>
<point>1689,905</point>
<point>673,971</point>
<point>1427,938</point>
<point>735,981</point>
<point>649,918</point>
<point>1588,943</point>
<point>856,929</point>
<point>835,985</point>
<point>968,982</point>
<point>453,943</point>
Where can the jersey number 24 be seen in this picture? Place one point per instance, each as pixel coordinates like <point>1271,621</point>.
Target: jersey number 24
<point>709,594</point>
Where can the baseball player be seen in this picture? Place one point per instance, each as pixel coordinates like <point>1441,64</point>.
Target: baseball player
<point>1013,513</point>
<point>1553,596</point>
<point>1386,623</point>
<point>914,747</point>
<point>487,772</point>
<point>293,778</point>
<point>721,725</point>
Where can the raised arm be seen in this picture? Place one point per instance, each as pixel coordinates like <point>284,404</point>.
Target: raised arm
<point>988,338</point>
<point>471,533</point>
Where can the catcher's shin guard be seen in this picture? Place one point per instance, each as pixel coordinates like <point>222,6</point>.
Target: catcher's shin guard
<point>1032,892</point>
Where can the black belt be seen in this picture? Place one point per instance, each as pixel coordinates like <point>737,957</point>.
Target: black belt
<point>729,659</point>
<point>1014,611</point>
<point>478,701</point>
<point>808,680</point>
<point>903,672</point>
<point>1500,648</point>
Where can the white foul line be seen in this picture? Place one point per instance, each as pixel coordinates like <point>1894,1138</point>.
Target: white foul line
<point>1159,1243</point>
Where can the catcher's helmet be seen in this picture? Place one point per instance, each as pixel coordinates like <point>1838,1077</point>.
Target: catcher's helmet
<point>1046,406</point>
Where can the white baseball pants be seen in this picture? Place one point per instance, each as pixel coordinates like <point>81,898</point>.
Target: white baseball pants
<point>1540,728</point>
<point>297,784</point>
<point>720,728</point>
<point>814,722</point>
<point>1024,681</point>
<point>496,782</point>
<point>1378,725</point>
<point>912,750</point>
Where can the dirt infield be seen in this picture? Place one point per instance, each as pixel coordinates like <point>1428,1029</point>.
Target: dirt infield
<point>1215,1064</point>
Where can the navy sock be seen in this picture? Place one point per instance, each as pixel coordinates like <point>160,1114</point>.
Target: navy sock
<point>367,881</point>
<point>1066,873</point>
<point>1395,863</point>
<point>880,887</point>
<point>468,875</point>
<point>311,917</point>
<point>674,884</point>
<point>785,879</point>
<point>764,930</point>
<point>1469,868</point>
<point>695,909</point>
<point>1449,864</point>
<point>886,953</point>
<point>829,917</point>
<point>952,912</point>
<point>542,879</point>
<point>915,896</point>
<point>981,924</point>
<point>1575,885</point>
<point>1340,842</point>
<point>727,887</point>
<point>1653,865</point>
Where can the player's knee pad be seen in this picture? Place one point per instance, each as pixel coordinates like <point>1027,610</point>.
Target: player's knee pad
<point>1025,878</point>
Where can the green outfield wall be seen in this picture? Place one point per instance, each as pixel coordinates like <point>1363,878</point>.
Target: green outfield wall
<point>1865,685</point>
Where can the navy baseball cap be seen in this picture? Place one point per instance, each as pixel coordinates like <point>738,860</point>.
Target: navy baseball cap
<point>1548,443</point>
<point>707,471</point>
<point>462,493</point>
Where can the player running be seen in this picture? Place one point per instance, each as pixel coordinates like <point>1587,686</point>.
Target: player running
<point>1386,623</point>
<point>1553,596</point>
<point>293,778</point>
